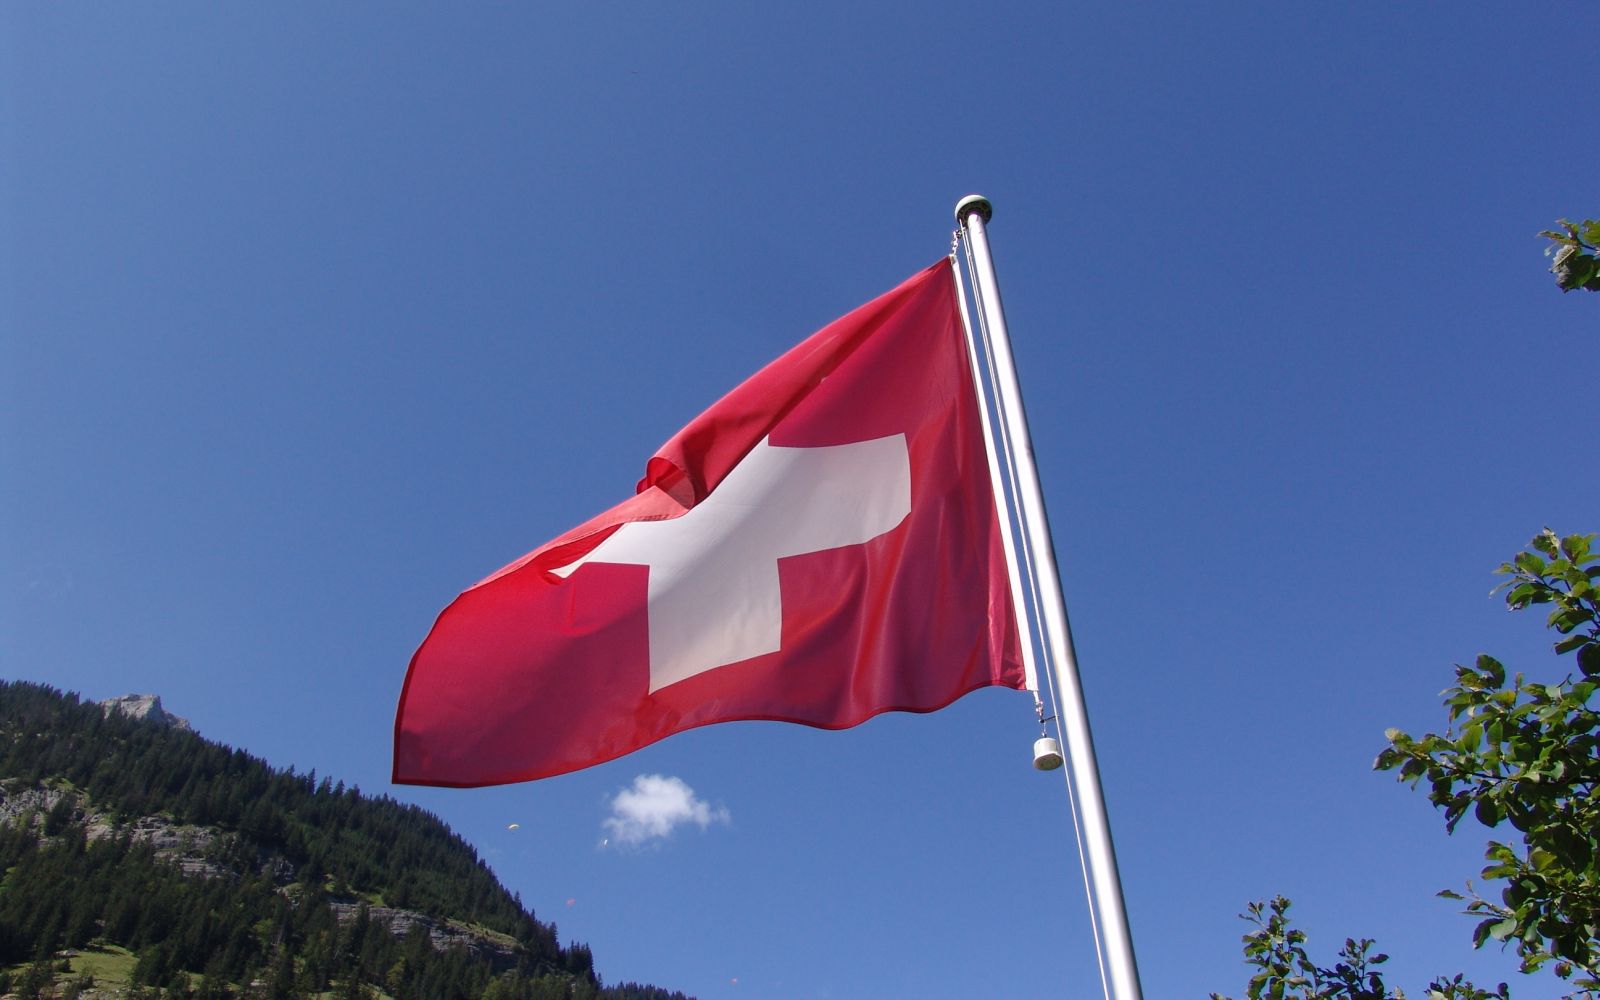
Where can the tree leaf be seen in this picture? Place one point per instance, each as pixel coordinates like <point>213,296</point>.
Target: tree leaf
<point>1589,660</point>
<point>1570,643</point>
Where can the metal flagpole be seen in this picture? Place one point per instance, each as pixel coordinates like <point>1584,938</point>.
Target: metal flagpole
<point>972,214</point>
<point>997,483</point>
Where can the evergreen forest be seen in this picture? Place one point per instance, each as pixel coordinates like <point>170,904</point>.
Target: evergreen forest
<point>214,875</point>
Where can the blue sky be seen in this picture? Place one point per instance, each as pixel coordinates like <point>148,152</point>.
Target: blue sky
<point>310,318</point>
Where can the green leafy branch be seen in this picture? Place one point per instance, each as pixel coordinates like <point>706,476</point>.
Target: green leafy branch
<point>1286,971</point>
<point>1575,250</point>
<point>1528,754</point>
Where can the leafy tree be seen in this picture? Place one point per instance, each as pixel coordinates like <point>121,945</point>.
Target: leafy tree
<point>1527,754</point>
<point>1576,252</point>
<point>34,980</point>
<point>1286,970</point>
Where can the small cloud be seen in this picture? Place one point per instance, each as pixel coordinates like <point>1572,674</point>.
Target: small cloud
<point>654,807</point>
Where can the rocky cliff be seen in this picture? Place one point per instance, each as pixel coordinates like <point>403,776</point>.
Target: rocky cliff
<point>145,708</point>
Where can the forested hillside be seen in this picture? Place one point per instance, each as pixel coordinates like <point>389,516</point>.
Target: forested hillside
<point>218,876</point>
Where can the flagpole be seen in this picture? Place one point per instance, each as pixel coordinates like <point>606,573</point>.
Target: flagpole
<point>972,215</point>
<point>997,483</point>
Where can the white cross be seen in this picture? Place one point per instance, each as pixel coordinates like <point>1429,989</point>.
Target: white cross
<point>713,594</point>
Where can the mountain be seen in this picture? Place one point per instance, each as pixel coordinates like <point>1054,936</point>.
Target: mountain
<point>141,860</point>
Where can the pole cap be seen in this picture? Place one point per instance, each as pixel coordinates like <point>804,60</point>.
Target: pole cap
<point>973,203</point>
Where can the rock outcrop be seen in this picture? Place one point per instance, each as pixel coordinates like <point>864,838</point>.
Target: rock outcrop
<point>146,708</point>
<point>499,949</point>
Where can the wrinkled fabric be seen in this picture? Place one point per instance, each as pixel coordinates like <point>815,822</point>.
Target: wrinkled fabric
<point>530,674</point>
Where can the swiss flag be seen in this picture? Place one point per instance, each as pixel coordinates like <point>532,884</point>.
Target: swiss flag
<point>819,546</point>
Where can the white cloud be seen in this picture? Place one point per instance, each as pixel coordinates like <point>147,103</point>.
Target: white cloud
<point>654,807</point>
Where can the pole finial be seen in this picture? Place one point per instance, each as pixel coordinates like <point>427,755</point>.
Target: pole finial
<point>973,203</point>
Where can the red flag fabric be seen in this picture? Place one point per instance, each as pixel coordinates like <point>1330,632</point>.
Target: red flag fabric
<point>820,546</point>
